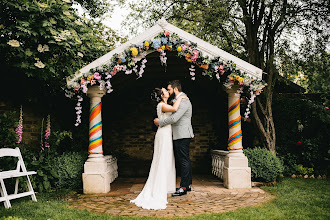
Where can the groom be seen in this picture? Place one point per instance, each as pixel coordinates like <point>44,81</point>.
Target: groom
<point>182,134</point>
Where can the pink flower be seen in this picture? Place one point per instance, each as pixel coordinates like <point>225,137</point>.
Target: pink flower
<point>97,75</point>
<point>19,129</point>
<point>93,82</point>
<point>299,143</point>
<point>47,133</point>
<point>221,70</point>
<point>166,33</point>
<point>195,56</point>
<point>183,47</point>
<point>327,107</point>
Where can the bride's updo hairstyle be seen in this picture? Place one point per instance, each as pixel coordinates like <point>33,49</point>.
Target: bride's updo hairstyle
<point>156,95</point>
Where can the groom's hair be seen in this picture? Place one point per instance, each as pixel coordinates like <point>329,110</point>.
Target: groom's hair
<point>175,84</point>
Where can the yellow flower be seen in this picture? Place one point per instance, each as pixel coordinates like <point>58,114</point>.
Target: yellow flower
<point>67,1</point>
<point>146,44</point>
<point>179,48</point>
<point>163,47</point>
<point>240,79</point>
<point>39,64</point>
<point>90,77</point>
<point>134,51</point>
<point>14,43</point>
<point>1,26</point>
<point>80,54</point>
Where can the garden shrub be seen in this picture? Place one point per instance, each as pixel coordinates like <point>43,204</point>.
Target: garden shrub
<point>69,167</point>
<point>55,171</point>
<point>302,124</point>
<point>265,166</point>
<point>43,164</point>
<point>7,130</point>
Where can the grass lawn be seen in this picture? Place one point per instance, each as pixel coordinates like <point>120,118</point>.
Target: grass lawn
<point>295,199</point>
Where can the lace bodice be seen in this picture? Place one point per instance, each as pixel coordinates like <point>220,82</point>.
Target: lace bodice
<point>160,113</point>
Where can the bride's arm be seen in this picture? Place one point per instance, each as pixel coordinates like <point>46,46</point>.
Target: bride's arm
<point>174,108</point>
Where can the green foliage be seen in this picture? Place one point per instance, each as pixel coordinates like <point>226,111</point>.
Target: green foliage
<point>96,8</point>
<point>48,41</point>
<point>304,170</point>
<point>69,167</point>
<point>43,164</point>
<point>11,218</point>
<point>310,67</point>
<point>302,126</point>
<point>7,130</point>
<point>265,166</point>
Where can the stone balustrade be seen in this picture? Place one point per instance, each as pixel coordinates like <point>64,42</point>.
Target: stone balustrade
<point>218,161</point>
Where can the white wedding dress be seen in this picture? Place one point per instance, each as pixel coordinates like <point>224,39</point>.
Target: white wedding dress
<point>162,176</point>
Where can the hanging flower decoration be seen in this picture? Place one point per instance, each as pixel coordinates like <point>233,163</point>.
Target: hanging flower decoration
<point>19,129</point>
<point>47,132</point>
<point>127,63</point>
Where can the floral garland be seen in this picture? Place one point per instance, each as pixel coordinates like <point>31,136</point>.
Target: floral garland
<point>127,63</point>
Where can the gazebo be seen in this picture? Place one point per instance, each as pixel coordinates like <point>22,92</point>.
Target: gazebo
<point>131,57</point>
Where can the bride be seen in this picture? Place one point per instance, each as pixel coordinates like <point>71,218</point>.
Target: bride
<point>162,176</point>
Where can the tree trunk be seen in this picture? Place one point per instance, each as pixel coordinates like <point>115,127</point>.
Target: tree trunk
<point>262,111</point>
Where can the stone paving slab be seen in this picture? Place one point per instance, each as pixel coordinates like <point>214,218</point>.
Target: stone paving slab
<point>208,195</point>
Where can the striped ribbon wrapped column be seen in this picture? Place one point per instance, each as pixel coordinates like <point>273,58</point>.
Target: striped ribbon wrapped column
<point>95,149</point>
<point>234,121</point>
<point>236,171</point>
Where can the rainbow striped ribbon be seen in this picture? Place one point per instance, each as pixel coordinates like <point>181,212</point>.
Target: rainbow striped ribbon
<point>94,140</point>
<point>236,137</point>
<point>233,108</point>
<point>234,123</point>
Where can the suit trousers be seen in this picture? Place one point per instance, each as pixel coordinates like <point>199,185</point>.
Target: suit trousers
<point>181,150</point>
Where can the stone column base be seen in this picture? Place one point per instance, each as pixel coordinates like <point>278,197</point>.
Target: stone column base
<point>236,172</point>
<point>99,174</point>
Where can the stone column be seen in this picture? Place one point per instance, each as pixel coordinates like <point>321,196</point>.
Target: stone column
<point>237,173</point>
<point>96,176</point>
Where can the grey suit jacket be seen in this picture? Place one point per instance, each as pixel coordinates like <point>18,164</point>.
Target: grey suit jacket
<point>180,121</point>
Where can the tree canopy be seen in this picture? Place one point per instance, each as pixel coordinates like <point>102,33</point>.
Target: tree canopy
<point>48,41</point>
<point>250,29</point>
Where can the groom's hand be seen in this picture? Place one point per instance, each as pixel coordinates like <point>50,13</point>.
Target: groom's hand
<point>156,121</point>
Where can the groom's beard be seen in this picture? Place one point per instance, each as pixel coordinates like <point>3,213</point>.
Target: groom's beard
<point>172,96</point>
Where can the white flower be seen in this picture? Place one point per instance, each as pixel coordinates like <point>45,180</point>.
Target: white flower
<point>14,43</point>
<point>42,5</point>
<point>39,64</point>
<point>78,22</point>
<point>42,49</point>
<point>80,54</point>
<point>67,1</point>
<point>67,13</point>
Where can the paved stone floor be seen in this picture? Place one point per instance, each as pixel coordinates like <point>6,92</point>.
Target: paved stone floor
<point>208,195</point>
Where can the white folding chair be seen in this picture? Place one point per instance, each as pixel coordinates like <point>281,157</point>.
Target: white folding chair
<point>19,172</point>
